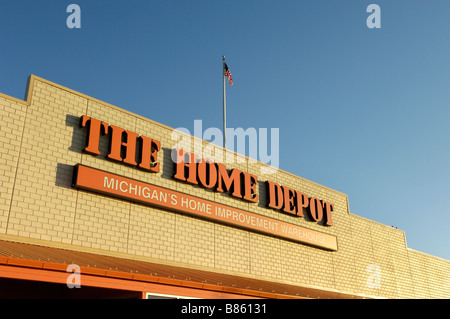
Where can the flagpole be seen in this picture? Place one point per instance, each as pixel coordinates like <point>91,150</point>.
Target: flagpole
<point>224,106</point>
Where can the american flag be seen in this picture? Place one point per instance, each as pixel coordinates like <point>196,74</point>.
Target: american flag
<point>227,73</point>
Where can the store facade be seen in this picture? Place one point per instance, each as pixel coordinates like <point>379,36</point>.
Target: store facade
<point>99,202</point>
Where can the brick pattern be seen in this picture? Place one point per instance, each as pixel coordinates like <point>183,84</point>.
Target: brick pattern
<point>41,141</point>
<point>12,122</point>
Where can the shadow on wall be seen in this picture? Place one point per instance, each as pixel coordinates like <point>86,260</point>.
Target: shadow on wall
<point>64,175</point>
<point>79,135</point>
<point>64,172</point>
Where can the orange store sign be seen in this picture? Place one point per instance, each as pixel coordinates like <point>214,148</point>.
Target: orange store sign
<point>130,148</point>
<point>95,180</point>
<point>148,148</point>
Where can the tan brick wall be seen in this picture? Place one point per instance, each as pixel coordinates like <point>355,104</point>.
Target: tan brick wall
<point>13,114</point>
<point>41,142</point>
<point>430,275</point>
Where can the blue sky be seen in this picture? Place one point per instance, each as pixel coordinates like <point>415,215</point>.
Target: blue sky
<point>363,111</point>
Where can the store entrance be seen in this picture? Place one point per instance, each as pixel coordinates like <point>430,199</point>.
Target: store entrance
<point>27,289</point>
